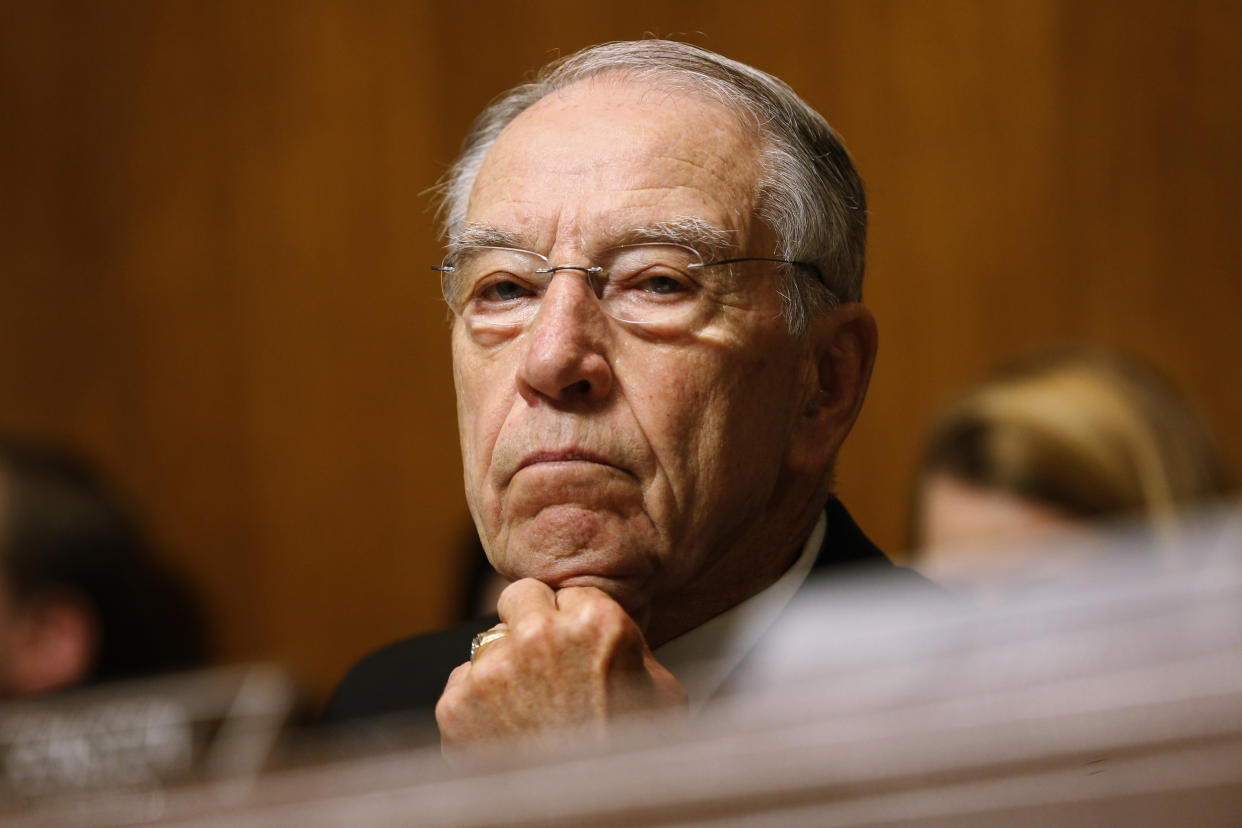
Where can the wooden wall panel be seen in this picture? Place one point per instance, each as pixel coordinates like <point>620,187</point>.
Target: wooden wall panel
<point>215,243</point>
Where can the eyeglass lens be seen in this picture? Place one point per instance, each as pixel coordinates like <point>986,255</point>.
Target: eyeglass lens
<point>644,283</point>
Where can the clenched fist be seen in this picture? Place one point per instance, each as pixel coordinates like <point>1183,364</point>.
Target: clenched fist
<point>572,658</point>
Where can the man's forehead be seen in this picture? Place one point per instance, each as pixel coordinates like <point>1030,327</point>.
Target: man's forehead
<point>618,119</point>
<point>606,158</point>
<point>618,95</point>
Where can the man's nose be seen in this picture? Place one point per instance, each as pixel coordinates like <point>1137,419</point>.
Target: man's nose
<point>567,355</point>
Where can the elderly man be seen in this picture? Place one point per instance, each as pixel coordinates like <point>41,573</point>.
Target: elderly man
<point>655,261</point>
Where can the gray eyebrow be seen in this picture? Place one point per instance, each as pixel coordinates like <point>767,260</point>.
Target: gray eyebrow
<point>709,239</point>
<point>487,236</point>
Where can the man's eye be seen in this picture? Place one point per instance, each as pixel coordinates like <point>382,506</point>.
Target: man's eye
<point>663,285</point>
<point>503,290</point>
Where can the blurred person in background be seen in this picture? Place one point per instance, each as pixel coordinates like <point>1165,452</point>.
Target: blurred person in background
<point>1044,448</point>
<point>82,597</point>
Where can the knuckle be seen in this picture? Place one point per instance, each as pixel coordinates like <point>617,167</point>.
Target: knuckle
<point>494,670</point>
<point>603,614</point>
<point>518,587</point>
<point>533,631</point>
<point>449,708</point>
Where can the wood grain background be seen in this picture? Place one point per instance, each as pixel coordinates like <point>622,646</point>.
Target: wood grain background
<point>215,242</point>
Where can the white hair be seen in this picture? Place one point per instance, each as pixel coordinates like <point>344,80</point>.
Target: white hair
<point>809,192</point>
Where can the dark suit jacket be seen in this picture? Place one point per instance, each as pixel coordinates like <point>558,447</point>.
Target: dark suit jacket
<point>407,677</point>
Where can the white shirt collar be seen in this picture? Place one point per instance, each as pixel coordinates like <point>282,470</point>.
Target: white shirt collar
<point>703,658</point>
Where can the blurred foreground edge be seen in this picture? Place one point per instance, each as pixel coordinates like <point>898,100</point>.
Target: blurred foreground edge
<point>65,756</point>
<point>1113,700</point>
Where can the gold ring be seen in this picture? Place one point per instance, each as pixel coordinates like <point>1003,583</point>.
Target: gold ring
<point>483,639</point>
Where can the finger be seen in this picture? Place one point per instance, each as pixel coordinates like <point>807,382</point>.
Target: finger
<point>668,691</point>
<point>452,702</point>
<point>486,639</point>
<point>525,597</point>
<point>658,671</point>
<point>605,622</point>
<point>572,598</point>
<point>456,679</point>
<point>586,598</point>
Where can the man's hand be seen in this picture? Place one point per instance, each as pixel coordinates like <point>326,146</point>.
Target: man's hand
<point>572,658</point>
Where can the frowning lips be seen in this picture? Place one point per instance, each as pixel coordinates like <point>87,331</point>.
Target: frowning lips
<point>604,451</point>
<point>564,456</point>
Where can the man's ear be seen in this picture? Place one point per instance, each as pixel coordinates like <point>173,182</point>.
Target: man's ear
<point>55,645</point>
<point>843,345</point>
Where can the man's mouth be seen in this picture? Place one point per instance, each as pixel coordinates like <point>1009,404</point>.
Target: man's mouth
<point>564,456</point>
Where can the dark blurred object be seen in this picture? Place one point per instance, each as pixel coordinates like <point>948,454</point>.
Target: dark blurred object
<point>1053,443</point>
<point>82,597</point>
<point>136,738</point>
<point>481,584</point>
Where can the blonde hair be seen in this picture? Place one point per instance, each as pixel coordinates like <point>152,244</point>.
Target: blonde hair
<point>1087,432</point>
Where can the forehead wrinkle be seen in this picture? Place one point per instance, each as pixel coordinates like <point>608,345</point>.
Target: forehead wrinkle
<point>737,172</point>
<point>718,166</point>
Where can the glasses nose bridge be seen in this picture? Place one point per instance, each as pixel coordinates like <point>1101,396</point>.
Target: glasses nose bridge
<point>590,273</point>
<point>591,277</point>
